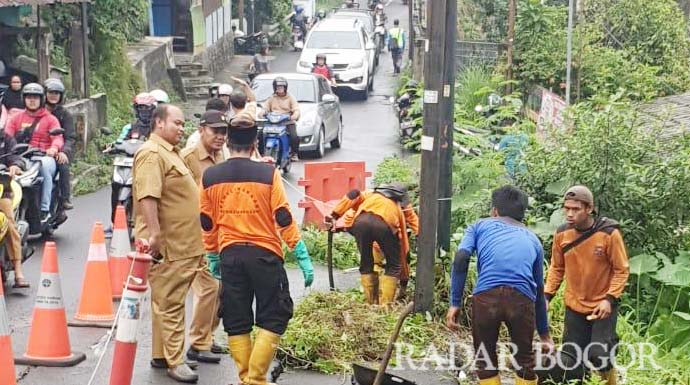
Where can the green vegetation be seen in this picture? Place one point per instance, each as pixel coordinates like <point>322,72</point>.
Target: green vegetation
<point>345,254</point>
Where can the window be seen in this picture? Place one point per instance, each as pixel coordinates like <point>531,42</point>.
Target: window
<point>302,89</point>
<point>334,40</point>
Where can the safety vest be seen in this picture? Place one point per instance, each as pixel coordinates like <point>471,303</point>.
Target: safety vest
<point>397,34</point>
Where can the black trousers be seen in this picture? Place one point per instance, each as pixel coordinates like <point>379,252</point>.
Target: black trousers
<point>65,182</point>
<point>252,273</point>
<point>595,338</point>
<point>369,228</point>
<point>492,308</point>
<point>294,138</point>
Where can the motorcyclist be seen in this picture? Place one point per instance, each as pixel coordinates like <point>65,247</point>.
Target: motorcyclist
<point>33,126</point>
<point>55,97</point>
<point>13,243</point>
<point>283,103</point>
<point>321,14</point>
<point>144,104</point>
<point>379,15</point>
<point>321,68</point>
<point>349,4</point>
<point>298,19</point>
<point>160,96</point>
<point>224,92</point>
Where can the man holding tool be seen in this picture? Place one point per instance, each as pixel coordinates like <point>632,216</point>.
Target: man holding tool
<point>246,217</point>
<point>591,255</point>
<point>509,290</point>
<point>380,216</point>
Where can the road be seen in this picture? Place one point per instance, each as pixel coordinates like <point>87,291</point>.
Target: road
<point>370,135</point>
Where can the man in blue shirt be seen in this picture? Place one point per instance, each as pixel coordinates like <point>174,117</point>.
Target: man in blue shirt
<point>510,286</point>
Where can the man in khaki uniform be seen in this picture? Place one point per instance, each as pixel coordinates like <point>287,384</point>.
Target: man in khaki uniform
<point>206,153</point>
<point>167,215</point>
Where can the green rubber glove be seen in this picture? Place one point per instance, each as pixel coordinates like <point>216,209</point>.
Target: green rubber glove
<point>213,260</point>
<point>304,262</point>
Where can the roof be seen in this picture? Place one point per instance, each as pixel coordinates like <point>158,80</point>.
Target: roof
<point>337,25</point>
<point>16,3</point>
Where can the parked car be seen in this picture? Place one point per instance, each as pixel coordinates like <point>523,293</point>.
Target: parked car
<point>321,119</point>
<point>365,18</point>
<point>349,52</point>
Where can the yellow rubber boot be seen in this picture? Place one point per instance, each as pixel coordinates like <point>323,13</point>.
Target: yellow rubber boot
<point>611,377</point>
<point>241,350</point>
<point>522,381</point>
<point>388,287</point>
<point>370,284</point>
<point>265,345</point>
<point>491,381</point>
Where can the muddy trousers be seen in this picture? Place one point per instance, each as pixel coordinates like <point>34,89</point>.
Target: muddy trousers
<point>490,309</point>
<point>252,273</point>
<point>170,282</point>
<point>595,340</point>
<point>369,228</point>
<point>205,319</point>
<point>294,138</point>
<point>14,241</point>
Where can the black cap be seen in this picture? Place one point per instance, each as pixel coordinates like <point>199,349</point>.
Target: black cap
<point>214,119</point>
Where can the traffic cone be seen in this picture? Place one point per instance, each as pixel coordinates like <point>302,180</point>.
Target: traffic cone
<point>48,339</point>
<point>96,303</point>
<point>120,247</point>
<point>7,373</point>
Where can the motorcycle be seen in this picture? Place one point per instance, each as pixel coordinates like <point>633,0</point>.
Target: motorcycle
<point>123,162</point>
<point>275,140</point>
<point>380,34</point>
<point>31,181</point>
<point>250,45</point>
<point>297,38</point>
<point>409,117</point>
<point>12,190</point>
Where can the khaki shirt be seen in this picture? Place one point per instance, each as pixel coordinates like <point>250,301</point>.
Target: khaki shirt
<point>160,172</point>
<point>198,160</point>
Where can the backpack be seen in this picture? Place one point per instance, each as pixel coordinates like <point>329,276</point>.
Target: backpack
<point>394,44</point>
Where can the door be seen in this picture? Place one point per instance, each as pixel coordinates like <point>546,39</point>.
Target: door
<point>328,109</point>
<point>370,55</point>
<point>162,16</point>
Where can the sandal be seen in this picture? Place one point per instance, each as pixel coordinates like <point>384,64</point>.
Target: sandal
<point>21,283</point>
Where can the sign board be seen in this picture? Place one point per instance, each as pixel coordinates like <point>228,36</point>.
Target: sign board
<point>551,114</point>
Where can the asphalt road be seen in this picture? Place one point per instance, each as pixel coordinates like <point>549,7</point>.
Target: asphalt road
<point>370,135</point>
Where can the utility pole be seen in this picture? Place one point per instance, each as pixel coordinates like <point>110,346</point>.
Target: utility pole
<point>512,14</point>
<point>569,54</point>
<point>438,120</point>
<point>412,34</point>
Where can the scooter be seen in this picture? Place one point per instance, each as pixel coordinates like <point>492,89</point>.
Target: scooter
<point>122,174</point>
<point>297,38</point>
<point>380,35</point>
<point>30,181</point>
<point>409,117</point>
<point>250,45</point>
<point>13,191</point>
<point>276,142</point>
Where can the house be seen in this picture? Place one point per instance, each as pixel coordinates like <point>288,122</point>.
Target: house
<point>199,28</point>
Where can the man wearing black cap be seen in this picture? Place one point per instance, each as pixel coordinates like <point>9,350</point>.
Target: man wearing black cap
<point>380,216</point>
<point>208,151</point>
<point>590,254</point>
<point>245,216</point>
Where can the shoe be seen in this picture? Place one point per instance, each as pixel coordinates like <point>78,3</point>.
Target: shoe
<point>370,284</point>
<point>159,363</point>
<point>183,373</point>
<point>496,380</point>
<point>294,157</point>
<point>521,381</point>
<point>218,349</point>
<point>45,217</point>
<point>610,377</point>
<point>61,218</point>
<point>241,350</point>
<point>108,231</point>
<point>202,356</point>
<point>388,287</point>
<point>263,353</point>
<point>67,204</point>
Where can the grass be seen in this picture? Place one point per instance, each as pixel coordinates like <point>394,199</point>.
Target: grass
<point>328,4</point>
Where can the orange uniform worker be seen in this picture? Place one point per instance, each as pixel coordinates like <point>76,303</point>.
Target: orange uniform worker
<point>208,151</point>
<point>381,216</point>
<point>245,216</point>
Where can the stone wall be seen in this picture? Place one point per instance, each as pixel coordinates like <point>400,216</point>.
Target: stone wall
<point>152,57</point>
<point>217,56</point>
<point>89,116</point>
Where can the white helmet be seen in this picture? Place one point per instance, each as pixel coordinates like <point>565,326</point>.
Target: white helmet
<point>161,96</point>
<point>379,7</point>
<point>225,89</point>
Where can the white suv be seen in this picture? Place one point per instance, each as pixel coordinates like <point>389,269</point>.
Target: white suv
<point>348,50</point>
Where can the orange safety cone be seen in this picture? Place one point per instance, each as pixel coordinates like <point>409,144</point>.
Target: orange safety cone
<point>7,373</point>
<point>96,303</point>
<point>48,339</point>
<point>120,247</point>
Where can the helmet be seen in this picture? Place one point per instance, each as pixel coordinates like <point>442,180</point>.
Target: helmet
<point>280,81</point>
<point>145,99</point>
<point>224,89</point>
<point>55,85</point>
<point>379,7</point>
<point>34,89</point>
<point>321,56</point>
<point>160,96</point>
<point>299,9</point>
<point>322,13</point>
<point>395,191</point>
